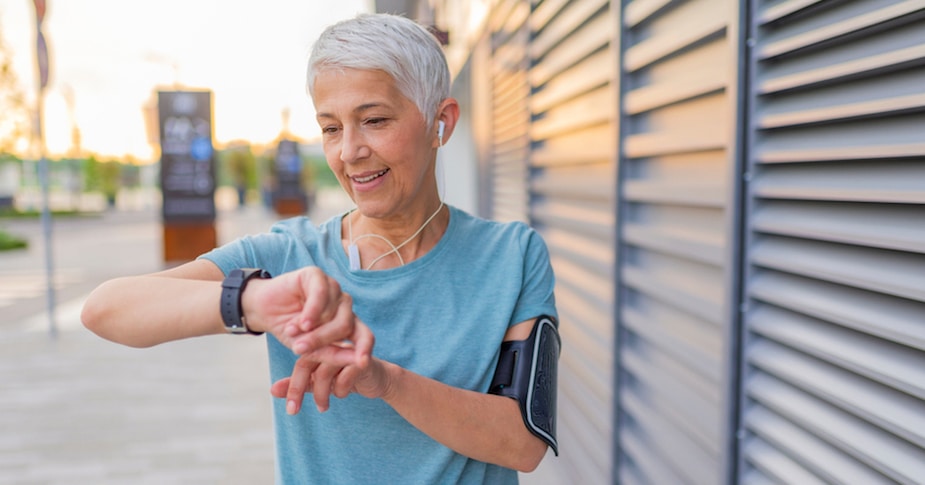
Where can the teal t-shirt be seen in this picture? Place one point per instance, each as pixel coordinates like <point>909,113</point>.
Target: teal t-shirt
<point>442,316</point>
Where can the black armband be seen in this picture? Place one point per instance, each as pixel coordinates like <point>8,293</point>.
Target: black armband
<point>527,372</point>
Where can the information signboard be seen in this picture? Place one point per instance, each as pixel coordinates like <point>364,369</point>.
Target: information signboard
<point>187,156</point>
<point>289,197</point>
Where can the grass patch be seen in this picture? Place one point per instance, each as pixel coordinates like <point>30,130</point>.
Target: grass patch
<point>9,241</point>
<point>7,213</point>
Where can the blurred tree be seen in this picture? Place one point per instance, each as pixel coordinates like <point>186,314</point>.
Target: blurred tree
<point>237,167</point>
<point>14,122</point>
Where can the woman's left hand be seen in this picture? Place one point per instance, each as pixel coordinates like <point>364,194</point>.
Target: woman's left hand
<point>323,372</point>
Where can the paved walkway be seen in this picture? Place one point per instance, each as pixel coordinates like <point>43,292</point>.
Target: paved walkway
<point>80,410</point>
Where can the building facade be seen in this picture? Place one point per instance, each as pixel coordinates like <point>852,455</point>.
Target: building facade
<point>733,194</point>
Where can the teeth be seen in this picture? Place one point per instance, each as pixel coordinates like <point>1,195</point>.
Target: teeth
<point>370,178</point>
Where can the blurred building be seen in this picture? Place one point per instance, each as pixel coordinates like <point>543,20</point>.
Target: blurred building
<point>733,194</point>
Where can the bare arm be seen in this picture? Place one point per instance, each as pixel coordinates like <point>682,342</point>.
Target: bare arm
<point>146,310</point>
<point>485,427</point>
<point>183,302</point>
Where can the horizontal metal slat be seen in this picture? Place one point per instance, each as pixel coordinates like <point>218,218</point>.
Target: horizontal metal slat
<point>830,32</point>
<point>501,13</point>
<point>649,369</point>
<point>652,96</point>
<point>703,247</point>
<point>593,220</point>
<point>587,282</point>
<point>679,29</point>
<point>891,410</point>
<point>644,465</point>
<point>585,183</point>
<point>588,75</point>
<point>883,138</point>
<point>638,11</point>
<point>591,109</point>
<point>667,143</point>
<point>779,10</point>
<point>589,378</point>
<point>673,292</point>
<point>553,32</point>
<point>807,451</point>
<point>888,363</point>
<point>857,309</point>
<point>544,12</point>
<point>674,448</point>
<point>887,454</point>
<point>592,453</point>
<point>679,339</point>
<point>590,323</point>
<point>592,145</point>
<point>775,467</point>
<point>843,71</point>
<point>676,192</point>
<point>888,272</point>
<point>875,225</point>
<point>852,111</point>
<point>581,44</point>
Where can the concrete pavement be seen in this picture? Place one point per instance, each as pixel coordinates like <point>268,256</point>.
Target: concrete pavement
<point>80,410</point>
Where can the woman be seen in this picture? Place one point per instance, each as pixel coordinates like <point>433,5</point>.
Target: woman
<point>397,308</point>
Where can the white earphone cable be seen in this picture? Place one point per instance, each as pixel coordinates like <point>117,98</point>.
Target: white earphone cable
<point>353,247</point>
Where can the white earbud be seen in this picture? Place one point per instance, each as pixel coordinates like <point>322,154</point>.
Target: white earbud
<point>440,127</point>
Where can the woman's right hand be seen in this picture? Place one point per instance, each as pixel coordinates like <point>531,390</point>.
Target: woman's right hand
<point>308,312</point>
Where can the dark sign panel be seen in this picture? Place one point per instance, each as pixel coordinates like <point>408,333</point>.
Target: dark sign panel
<point>187,158</point>
<point>288,170</point>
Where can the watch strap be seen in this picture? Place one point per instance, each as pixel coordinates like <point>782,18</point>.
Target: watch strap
<point>232,288</point>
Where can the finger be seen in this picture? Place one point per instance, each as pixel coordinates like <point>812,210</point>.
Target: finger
<point>300,382</point>
<point>340,328</point>
<point>343,384</point>
<point>363,342</point>
<point>339,355</point>
<point>280,388</point>
<point>322,296</point>
<point>322,380</point>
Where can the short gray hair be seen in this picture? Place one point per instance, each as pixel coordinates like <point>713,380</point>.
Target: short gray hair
<point>396,45</point>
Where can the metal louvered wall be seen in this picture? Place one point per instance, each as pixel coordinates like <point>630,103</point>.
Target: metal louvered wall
<point>797,312</point>
<point>678,77</point>
<point>572,187</point>
<point>834,371</point>
<point>510,115</point>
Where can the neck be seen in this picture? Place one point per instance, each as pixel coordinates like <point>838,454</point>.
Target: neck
<point>395,247</point>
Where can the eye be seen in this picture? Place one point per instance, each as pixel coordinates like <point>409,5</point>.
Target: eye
<point>329,129</point>
<point>374,121</point>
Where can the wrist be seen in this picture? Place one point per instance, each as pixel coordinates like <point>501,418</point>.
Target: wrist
<point>232,299</point>
<point>394,375</point>
<point>249,313</point>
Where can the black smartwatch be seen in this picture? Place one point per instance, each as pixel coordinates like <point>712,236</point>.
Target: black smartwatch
<point>232,287</point>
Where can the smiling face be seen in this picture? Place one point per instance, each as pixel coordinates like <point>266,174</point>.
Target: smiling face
<point>376,142</point>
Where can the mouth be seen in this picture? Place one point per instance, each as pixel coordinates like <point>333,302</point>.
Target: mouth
<point>365,179</point>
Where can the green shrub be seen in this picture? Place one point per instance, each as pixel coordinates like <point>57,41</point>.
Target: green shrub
<point>9,241</point>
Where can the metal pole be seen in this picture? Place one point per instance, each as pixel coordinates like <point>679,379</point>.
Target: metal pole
<point>46,219</point>
<point>41,56</point>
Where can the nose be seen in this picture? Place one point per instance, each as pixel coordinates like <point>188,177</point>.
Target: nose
<point>353,146</point>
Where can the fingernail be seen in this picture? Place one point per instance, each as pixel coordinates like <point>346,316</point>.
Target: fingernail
<point>290,407</point>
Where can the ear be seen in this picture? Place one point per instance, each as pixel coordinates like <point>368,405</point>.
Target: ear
<point>447,116</point>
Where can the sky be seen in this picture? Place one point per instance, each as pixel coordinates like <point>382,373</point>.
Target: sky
<point>108,56</point>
